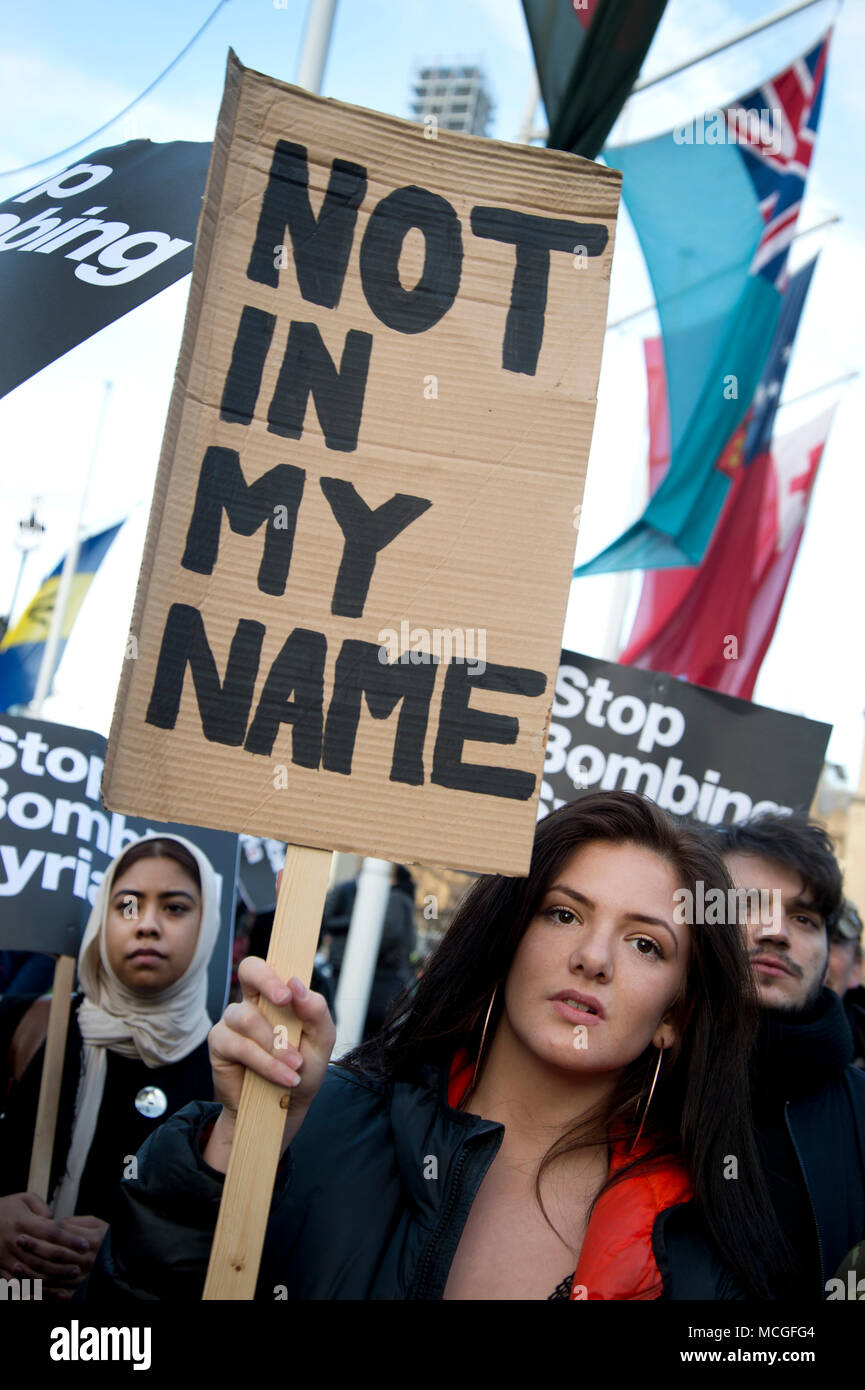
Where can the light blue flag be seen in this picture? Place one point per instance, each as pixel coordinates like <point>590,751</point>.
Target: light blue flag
<point>715,205</point>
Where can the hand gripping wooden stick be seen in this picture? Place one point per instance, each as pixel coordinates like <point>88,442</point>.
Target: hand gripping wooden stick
<point>243,1211</point>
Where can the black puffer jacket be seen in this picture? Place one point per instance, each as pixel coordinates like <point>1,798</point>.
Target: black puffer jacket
<point>370,1203</point>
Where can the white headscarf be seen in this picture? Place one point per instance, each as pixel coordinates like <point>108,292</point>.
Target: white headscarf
<point>160,1029</point>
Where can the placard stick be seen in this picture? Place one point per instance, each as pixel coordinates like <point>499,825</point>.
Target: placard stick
<point>52,1075</point>
<point>239,1236</point>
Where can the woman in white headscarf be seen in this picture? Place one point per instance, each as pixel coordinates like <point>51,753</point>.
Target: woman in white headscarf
<point>136,1053</point>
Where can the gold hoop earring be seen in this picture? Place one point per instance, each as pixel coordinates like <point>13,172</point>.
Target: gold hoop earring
<point>483,1037</point>
<point>649,1101</point>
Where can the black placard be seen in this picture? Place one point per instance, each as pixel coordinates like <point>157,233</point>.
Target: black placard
<point>697,753</point>
<point>57,839</point>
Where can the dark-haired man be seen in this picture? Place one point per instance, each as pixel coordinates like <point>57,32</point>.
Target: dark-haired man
<point>809,1101</point>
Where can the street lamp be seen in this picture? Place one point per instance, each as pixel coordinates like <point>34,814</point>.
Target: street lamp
<point>30,533</point>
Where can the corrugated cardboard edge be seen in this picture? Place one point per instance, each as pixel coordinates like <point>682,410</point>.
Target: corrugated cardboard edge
<point>204,242</point>
<point>532,152</point>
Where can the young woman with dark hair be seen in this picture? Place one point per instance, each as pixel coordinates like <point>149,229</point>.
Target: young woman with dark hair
<point>553,1113</point>
<point>136,1052</point>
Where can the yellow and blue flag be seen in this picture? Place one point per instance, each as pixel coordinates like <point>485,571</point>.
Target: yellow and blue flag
<point>24,644</point>
<point>715,204</point>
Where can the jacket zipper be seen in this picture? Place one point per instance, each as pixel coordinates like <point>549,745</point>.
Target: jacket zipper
<point>432,1248</point>
<point>422,1281</point>
<point>807,1189</point>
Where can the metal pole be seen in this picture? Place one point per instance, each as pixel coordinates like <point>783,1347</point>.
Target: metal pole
<point>58,615</point>
<point>756,28</point>
<point>649,308</point>
<point>29,532</point>
<point>23,562</point>
<point>527,124</point>
<point>361,953</point>
<point>316,42</point>
<point>837,381</point>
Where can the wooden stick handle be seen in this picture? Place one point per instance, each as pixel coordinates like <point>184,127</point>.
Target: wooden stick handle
<point>240,1227</point>
<point>52,1076</point>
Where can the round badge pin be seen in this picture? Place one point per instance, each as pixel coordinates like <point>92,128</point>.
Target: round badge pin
<point>151,1102</point>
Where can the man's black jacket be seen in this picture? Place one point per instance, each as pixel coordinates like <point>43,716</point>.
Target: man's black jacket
<point>809,1110</point>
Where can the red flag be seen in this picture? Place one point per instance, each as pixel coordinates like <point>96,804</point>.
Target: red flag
<point>712,625</point>
<point>796,458</point>
<point>664,591</point>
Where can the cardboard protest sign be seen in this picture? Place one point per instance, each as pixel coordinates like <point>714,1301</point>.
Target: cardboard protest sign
<point>86,245</point>
<point>710,757</point>
<point>57,839</point>
<point>353,587</point>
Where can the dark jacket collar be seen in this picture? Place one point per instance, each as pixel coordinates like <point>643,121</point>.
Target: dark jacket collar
<point>424,1126</point>
<point>800,1051</point>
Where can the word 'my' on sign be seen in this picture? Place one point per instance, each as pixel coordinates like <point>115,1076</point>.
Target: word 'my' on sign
<point>380,425</point>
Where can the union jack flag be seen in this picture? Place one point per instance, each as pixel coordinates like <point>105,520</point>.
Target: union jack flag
<point>775,128</point>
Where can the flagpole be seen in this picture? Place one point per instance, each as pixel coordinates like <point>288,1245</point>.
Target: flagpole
<point>650,308</point>
<point>64,588</point>
<point>752,29</point>
<point>748,33</point>
<point>836,381</point>
<point>316,42</point>
<point>527,126</point>
<point>29,532</point>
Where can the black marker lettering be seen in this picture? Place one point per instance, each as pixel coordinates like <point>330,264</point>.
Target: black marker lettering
<point>366,533</point>
<point>459,723</point>
<point>359,671</point>
<point>321,246</point>
<point>299,671</point>
<point>243,382</point>
<point>338,394</point>
<point>222,487</point>
<point>223,706</point>
<point>416,310</point>
<point>534,238</point>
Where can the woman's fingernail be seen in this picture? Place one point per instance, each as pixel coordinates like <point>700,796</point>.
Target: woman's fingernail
<point>299,987</point>
<point>284,995</point>
<point>82,1245</point>
<point>289,1077</point>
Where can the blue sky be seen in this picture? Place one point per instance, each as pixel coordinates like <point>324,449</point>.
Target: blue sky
<point>67,69</point>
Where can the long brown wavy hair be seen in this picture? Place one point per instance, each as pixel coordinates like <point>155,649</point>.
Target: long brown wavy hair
<point>700,1111</point>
